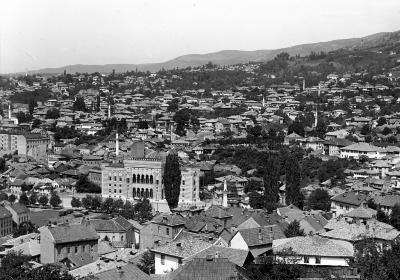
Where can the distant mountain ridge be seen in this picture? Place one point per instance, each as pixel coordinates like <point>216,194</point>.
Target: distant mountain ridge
<point>229,57</point>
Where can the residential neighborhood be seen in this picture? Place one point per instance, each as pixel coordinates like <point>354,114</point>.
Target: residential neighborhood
<point>283,165</point>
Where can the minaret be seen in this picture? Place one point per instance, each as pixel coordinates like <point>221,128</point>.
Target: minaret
<point>263,102</point>
<point>109,110</point>
<point>9,111</point>
<point>316,107</point>
<point>171,133</point>
<point>225,195</point>
<point>304,84</point>
<point>116,144</point>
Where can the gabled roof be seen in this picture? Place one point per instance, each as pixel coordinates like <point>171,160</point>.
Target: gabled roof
<point>352,198</point>
<point>4,213</point>
<point>236,256</point>
<point>261,236</point>
<point>361,213</point>
<point>72,233</point>
<point>127,271</point>
<point>209,269</point>
<point>183,248</point>
<point>314,246</point>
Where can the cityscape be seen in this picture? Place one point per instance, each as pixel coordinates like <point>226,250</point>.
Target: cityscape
<point>280,163</point>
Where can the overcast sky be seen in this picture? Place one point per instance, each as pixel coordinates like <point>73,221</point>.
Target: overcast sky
<point>51,33</point>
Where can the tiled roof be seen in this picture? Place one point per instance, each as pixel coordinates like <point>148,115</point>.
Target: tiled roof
<point>171,220</point>
<point>19,208</point>
<point>352,198</point>
<point>314,246</point>
<point>209,269</point>
<point>261,236</point>
<point>343,230</point>
<point>4,213</point>
<point>236,256</point>
<point>126,271</point>
<point>183,248</point>
<point>361,212</point>
<point>387,200</point>
<point>118,224</point>
<point>72,233</point>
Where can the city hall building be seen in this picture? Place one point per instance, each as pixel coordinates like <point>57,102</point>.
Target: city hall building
<point>142,178</point>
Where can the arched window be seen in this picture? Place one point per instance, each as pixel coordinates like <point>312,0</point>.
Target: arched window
<point>147,193</point>
<point>151,193</point>
<point>142,193</point>
<point>147,179</point>
<point>142,179</point>
<point>151,179</point>
<point>133,192</point>
<point>134,178</point>
<point>138,179</point>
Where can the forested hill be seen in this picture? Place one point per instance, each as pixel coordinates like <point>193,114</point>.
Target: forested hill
<point>230,57</point>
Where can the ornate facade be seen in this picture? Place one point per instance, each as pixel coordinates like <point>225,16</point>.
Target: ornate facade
<point>142,178</point>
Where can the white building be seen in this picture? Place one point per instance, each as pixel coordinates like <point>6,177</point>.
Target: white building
<point>313,250</point>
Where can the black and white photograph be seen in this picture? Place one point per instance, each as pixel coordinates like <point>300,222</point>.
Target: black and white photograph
<point>199,140</point>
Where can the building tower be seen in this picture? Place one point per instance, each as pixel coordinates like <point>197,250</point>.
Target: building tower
<point>225,195</point>
<point>263,102</point>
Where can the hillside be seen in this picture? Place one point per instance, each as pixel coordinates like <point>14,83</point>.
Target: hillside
<point>229,57</point>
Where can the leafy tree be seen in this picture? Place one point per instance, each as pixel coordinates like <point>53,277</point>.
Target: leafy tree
<point>3,165</point>
<point>381,121</point>
<point>173,105</point>
<point>3,196</point>
<point>319,200</point>
<point>24,228</point>
<point>146,263</point>
<point>31,105</point>
<point>55,199</point>
<point>12,198</point>
<point>52,114</point>
<point>395,216</point>
<point>296,127</point>
<point>79,104</point>
<point>76,202</point>
<point>271,182</point>
<point>381,216</point>
<point>293,230</point>
<point>172,180</point>
<point>375,262</point>
<point>43,200</point>
<point>365,129</point>
<point>143,211</point>
<point>386,131</point>
<point>23,199</point>
<point>12,266</point>
<point>23,118</point>
<point>118,205</point>
<point>293,178</point>
<point>33,198</point>
<point>87,202</point>
<point>253,185</point>
<point>142,124</point>
<point>127,211</point>
<point>83,185</point>
<point>108,205</point>
<point>96,202</point>
<point>256,200</point>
